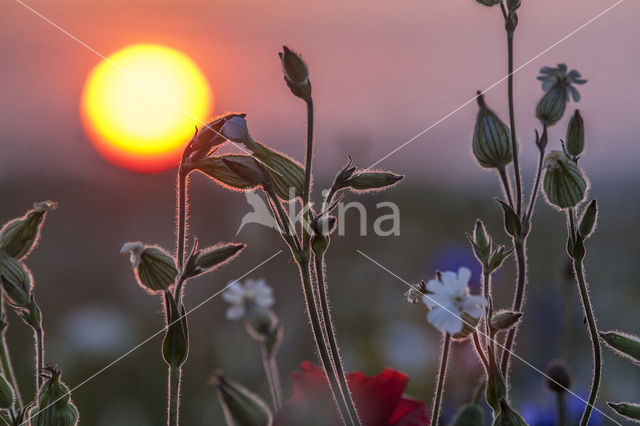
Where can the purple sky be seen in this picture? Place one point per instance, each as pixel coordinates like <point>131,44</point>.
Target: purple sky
<point>381,73</point>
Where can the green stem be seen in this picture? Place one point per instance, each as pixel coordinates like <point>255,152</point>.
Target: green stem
<point>5,357</point>
<point>578,269</point>
<point>182,217</point>
<point>331,337</point>
<point>481,354</point>
<point>505,184</point>
<point>273,378</point>
<point>173,413</point>
<point>512,124</point>
<point>536,185</point>
<point>307,289</point>
<point>39,339</point>
<point>306,237</point>
<point>442,372</point>
<point>521,265</point>
<point>561,409</point>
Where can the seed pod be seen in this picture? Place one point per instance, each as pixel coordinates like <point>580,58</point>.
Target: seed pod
<point>626,409</point>
<point>153,268</point>
<point>210,258</point>
<point>19,236</point>
<point>16,281</point>
<point>54,403</point>
<point>624,344</point>
<point>558,376</point>
<point>371,181</point>
<point>575,135</point>
<point>296,73</point>
<point>564,184</point>
<point>504,320</point>
<point>551,107</point>
<point>6,394</point>
<point>491,138</point>
<point>241,406</point>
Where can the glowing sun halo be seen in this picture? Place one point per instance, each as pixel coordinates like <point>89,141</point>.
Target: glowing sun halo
<point>142,123</point>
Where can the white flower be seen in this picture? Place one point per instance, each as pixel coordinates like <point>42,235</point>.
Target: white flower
<point>251,294</point>
<point>235,129</point>
<point>449,299</point>
<point>135,249</point>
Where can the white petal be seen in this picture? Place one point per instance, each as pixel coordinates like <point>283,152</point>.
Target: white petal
<point>233,294</point>
<point>266,302</point>
<point>464,274</point>
<point>437,300</point>
<point>235,129</point>
<point>449,278</point>
<point>235,312</point>
<point>435,286</point>
<point>445,321</point>
<point>473,306</point>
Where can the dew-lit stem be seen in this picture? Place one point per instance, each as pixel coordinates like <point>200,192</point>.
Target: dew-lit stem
<point>442,372</point>
<point>5,358</point>
<point>273,377</point>
<point>174,395</point>
<point>331,337</point>
<point>578,269</point>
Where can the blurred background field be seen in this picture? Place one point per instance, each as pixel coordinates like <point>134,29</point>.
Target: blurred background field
<point>381,73</point>
<point>94,311</point>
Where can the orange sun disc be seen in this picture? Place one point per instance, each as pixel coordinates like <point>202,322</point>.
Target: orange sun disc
<point>140,106</point>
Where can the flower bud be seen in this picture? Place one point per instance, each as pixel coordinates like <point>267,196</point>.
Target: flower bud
<point>371,181</point>
<point>491,139</point>
<point>480,243</point>
<point>575,135</point>
<point>626,409</point>
<point>558,376</point>
<point>504,320</point>
<point>416,292</point>
<point>588,220</point>
<point>224,170</point>
<point>497,258</point>
<point>564,184</point>
<point>6,394</point>
<point>488,2</point>
<point>54,403</point>
<point>513,4</point>
<point>153,268</point>
<point>212,134</point>
<point>16,281</point>
<point>210,258</point>
<point>551,107</point>
<point>296,74</point>
<point>175,346</point>
<point>241,406</point>
<point>507,416</point>
<point>19,236</point>
<point>624,344</point>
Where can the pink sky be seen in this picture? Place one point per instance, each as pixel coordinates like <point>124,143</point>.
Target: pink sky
<point>381,73</point>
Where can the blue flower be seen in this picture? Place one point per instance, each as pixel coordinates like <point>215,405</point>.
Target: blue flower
<point>552,76</point>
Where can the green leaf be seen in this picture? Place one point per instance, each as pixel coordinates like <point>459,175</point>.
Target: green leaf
<point>175,345</point>
<point>206,260</point>
<point>469,415</point>
<point>241,406</point>
<point>626,345</point>
<point>496,388</point>
<point>511,222</point>
<point>626,409</point>
<point>588,221</point>
<point>507,416</point>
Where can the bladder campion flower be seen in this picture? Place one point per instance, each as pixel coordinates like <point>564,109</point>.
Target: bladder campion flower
<point>449,299</point>
<point>243,296</point>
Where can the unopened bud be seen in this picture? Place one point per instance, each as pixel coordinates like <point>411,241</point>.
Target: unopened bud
<point>241,406</point>
<point>480,243</point>
<point>208,259</point>
<point>504,320</point>
<point>211,135</point>
<point>491,138</point>
<point>626,409</point>
<point>16,281</point>
<point>497,258</point>
<point>624,344</point>
<point>551,107</point>
<point>558,376</point>
<point>296,73</point>
<point>153,268</point>
<point>372,181</point>
<point>588,220</point>
<point>564,184</point>
<point>488,2</point>
<point>513,4</point>
<point>6,394</point>
<point>575,135</point>
<point>54,403</point>
<point>19,236</point>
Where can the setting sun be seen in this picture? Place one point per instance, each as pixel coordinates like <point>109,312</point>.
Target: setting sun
<point>139,107</point>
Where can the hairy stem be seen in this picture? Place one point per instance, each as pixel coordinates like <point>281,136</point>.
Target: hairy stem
<point>321,345</point>
<point>39,341</point>
<point>173,407</point>
<point>505,184</point>
<point>481,354</point>
<point>307,177</point>
<point>331,337</point>
<point>512,124</point>
<point>442,372</point>
<point>521,279</point>
<point>273,378</point>
<point>5,357</point>
<point>578,269</point>
<point>182,218</point>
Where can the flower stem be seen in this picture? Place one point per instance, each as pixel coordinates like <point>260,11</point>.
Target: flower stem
<point>321,345</point>
<point>435,414</point>
<point>273,377</point>
<point>521,265</point>
<point>331,337</point>
<point>481,354</point>
<point>505,184</point>
<point>561,409</point>
<point>5,358</point>
<point>174,395</point>
<point>39,340</point>
<point>307,177</point>
<point>578,269</point>
<point>512,123</point>
<point>536,185</point>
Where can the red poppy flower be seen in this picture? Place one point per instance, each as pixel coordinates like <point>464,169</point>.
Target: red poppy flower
<point>379,400</point>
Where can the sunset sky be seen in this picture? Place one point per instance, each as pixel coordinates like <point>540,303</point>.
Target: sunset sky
<point>381,72</point>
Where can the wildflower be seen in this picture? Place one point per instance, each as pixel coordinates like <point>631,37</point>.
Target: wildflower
<point>551,76</point>
<point>559,87</point>
<point>235,129</point>
<point>449,300</point>
<point>244,297</point>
